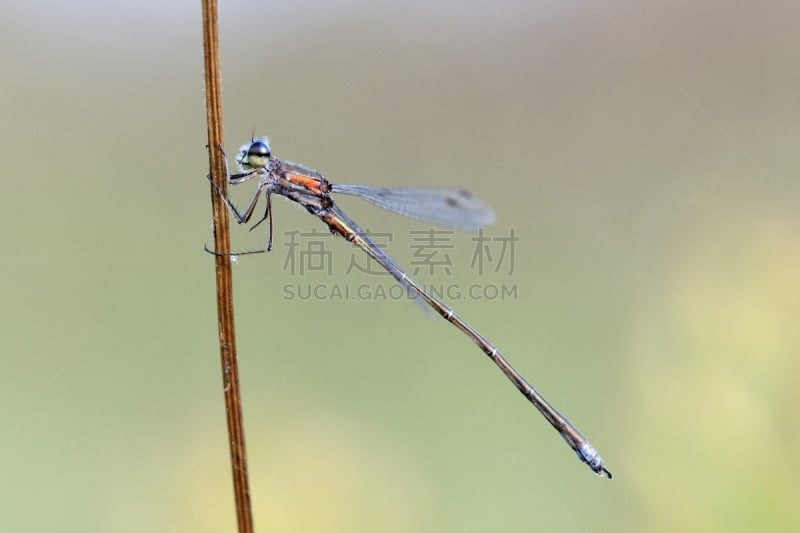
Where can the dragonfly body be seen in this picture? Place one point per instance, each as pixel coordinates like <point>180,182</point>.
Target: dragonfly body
<point>449,207</point>
<point>302,185</point>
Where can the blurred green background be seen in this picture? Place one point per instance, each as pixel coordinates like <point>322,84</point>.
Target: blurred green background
<point>645,153</point>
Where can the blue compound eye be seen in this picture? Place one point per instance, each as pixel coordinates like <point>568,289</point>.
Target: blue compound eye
<point>258,148</point>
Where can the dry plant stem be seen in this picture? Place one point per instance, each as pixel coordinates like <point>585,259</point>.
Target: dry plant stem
<point>227,339</point>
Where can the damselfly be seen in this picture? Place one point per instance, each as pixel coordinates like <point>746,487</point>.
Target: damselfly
<point>447,207</point>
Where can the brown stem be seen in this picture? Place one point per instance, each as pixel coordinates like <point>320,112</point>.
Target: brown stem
<point>227,338</point>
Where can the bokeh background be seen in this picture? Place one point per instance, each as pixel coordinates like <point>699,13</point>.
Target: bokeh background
<point>644,152</point>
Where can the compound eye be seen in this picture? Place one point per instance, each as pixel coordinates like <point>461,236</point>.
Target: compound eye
<point>258,148</point>
<point>254,155</point>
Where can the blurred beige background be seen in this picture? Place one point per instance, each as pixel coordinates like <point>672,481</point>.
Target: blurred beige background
<point>645,153</point>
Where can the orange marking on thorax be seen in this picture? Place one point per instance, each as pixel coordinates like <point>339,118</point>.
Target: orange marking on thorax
<point>312,184</point>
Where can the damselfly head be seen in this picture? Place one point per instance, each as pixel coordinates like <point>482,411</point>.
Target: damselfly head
<point>254,155</point>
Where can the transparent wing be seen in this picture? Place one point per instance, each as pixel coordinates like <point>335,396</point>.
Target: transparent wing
<point>452,208</point>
